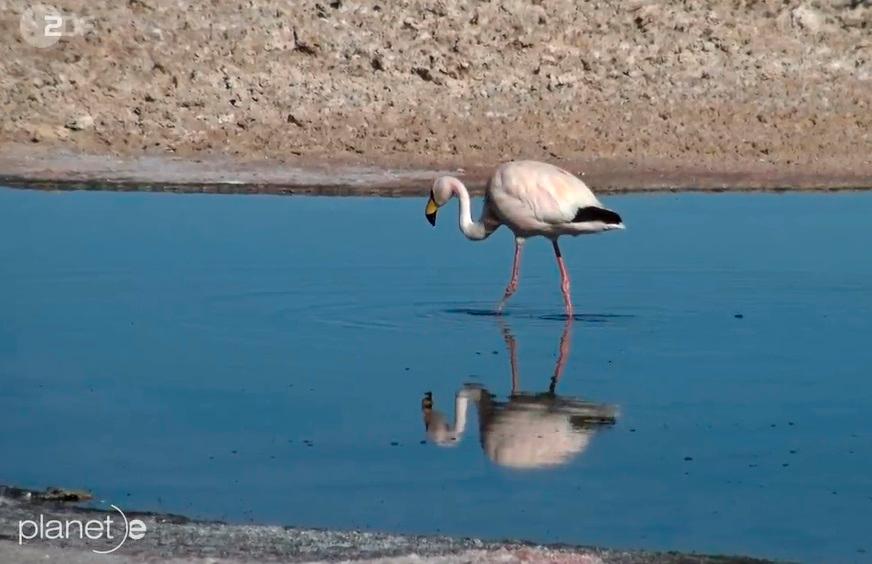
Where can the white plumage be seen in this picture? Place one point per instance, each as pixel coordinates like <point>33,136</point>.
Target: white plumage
<point>530,430</point>
<point>532,199</point>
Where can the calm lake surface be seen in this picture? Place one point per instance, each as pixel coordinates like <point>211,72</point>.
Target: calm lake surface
<point>265,358</point>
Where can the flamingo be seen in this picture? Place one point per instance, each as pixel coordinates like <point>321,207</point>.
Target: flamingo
<point>531,198</point>
<point>530,430</point>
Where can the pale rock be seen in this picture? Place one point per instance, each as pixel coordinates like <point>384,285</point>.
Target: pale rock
<point>80,123</point>
<point>807,18</point>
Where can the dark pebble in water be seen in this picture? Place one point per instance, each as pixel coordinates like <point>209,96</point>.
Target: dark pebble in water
<point>406,369</point>
<point>772,425</point>
<point>739,316</point>
<point>211,458</point>
<point>688,458</point>
<point>422,442</point>
<point>478,352</point>
<point>792,452</point>
<point>752,466</point>
<point>495,352</point>
<point>785,465</point>
<point>790,423</point>
<point>233,452</point>
<point>632,430</point>
<point>394,443</point>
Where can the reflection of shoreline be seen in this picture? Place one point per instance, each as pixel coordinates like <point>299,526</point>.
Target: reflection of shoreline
<point>529,429</point>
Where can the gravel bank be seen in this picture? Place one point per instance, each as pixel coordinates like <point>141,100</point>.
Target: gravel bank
<point>175,539</point>
<point>641,94</point>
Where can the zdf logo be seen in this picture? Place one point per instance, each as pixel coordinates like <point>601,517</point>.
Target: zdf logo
<point>42,25</point>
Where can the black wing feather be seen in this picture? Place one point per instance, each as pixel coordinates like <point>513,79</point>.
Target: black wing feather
<point>593,213</point>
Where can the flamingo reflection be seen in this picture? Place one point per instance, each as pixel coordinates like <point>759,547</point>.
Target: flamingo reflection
<point>531,429</point>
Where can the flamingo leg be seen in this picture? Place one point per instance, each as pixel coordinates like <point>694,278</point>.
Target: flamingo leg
<point>512,347</point>
<point>564,279</point>
<point>512,286</point>
<point>563,355</point>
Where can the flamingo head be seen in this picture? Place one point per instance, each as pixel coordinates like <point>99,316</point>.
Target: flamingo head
<point>441,192</point>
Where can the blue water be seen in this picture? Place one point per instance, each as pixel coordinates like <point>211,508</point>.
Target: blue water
<point>264,358</point>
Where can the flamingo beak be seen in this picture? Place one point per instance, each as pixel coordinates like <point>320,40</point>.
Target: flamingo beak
<point>427,409</point>
<point>430,212</point>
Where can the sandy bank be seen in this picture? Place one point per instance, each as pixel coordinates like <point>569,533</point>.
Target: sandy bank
<point>637,95</point>
<point>23,167</point>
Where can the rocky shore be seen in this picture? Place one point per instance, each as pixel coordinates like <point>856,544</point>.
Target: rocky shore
<point>711,93</point>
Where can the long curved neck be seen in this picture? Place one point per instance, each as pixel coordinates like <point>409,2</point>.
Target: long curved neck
<point>474,230</point>
<point>461,402</point>
<point>442,433</point>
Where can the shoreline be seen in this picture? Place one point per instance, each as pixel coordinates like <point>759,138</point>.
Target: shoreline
<point>352,99</point>
<point>23,167</point>
<point>178,539</point>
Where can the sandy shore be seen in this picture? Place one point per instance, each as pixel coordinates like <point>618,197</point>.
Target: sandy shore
<point>710,94</point>
<point>23,167</point>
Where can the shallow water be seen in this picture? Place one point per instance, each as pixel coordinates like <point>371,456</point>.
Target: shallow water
<point>266,358</point>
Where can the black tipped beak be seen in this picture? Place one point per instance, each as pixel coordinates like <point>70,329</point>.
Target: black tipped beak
<point>431,210</point>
